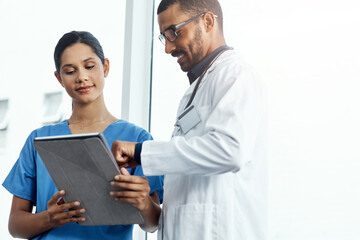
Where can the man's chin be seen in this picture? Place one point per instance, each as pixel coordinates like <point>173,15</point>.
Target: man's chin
<point>184,67</point>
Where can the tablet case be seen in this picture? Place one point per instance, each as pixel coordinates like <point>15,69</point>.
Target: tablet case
<point>83,165</point>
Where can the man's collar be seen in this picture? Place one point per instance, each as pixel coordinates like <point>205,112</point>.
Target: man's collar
<point>196,71</point>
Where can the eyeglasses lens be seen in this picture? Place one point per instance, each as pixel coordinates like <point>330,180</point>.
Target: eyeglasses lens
<point>169,34</point>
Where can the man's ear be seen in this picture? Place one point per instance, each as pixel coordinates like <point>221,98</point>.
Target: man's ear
<point>57,75</point>
<point>106,67</point>
<point>209,21</point>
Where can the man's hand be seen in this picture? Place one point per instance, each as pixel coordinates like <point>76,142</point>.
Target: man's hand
<point>124,154</point>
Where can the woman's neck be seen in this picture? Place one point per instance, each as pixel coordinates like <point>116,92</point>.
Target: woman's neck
<point>92,117</point>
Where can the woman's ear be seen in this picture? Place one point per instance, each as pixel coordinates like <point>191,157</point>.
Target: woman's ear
<point>106,67</point>
<point>57,75</point>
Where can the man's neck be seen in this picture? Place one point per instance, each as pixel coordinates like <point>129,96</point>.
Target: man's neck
<point>197,70</point>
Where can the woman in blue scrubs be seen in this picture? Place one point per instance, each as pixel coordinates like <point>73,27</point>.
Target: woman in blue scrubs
<point>81,69</point>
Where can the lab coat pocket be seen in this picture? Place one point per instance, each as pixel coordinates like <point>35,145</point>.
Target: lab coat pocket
<point>198,129</point>
<point>196,221</point>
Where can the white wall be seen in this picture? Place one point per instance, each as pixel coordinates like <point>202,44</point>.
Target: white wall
<point>29,31</point>
<point>308,53</point>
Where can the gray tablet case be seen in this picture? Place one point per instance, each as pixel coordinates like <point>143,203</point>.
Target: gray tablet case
<point>83,165</point>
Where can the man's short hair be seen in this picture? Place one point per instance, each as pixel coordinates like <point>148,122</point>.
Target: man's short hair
<point>194,7</point>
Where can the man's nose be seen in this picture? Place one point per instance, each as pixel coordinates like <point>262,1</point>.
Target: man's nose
<point>169,46</point>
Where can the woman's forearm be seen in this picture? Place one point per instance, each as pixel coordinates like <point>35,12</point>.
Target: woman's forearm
<point>151,214</point>
<point>24,224</point>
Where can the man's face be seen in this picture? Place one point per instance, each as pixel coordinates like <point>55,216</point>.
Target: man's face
<point>188,47</point>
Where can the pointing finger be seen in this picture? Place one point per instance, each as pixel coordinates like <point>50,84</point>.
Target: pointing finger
<point>124,171</point>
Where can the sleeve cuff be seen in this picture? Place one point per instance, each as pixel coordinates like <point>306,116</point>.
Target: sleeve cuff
<point>137,154</point>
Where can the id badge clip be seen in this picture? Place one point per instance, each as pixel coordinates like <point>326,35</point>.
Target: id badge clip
<point>188,119</point>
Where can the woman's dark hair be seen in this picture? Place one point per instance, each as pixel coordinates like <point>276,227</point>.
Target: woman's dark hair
<point>195,7</point>
<point>73,37</point>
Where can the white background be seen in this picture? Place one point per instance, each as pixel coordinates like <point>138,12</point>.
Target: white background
<point>29,31</point>
<point>308,53</point>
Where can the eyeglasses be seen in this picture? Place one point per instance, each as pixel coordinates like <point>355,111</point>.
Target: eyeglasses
<point>171,34</point>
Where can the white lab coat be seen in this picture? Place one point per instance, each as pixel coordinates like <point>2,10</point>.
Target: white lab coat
<point>215,174</point>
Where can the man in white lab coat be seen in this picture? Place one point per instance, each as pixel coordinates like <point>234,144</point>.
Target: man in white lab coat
<point>215,163</point>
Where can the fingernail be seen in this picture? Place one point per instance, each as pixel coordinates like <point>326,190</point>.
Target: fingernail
<point>112,183</point>
<point>82,210</point>
<point>77,203</point>
<point>111,193</point>
<point>62,192</point>
<point>117,177</point>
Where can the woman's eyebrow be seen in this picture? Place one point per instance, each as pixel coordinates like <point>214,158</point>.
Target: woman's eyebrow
<point>88,59</point>
<point>72,65</point>
<point>67,65</point>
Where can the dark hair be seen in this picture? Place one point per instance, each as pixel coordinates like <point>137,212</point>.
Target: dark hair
<point>70,38</point>
<point>195,7</point>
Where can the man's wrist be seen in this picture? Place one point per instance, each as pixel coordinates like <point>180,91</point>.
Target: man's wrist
<point>137,153</point>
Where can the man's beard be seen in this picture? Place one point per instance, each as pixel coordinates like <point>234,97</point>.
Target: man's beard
<point>196,49</point>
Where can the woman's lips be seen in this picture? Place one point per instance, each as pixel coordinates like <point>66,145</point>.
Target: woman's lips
<point>84,89</point>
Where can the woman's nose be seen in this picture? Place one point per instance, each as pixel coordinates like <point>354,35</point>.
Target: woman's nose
<point>83,75</point>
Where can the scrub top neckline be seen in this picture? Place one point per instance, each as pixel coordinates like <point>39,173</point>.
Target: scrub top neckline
<point>66,123</point>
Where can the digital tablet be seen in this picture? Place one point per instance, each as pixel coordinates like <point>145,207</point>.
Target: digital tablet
<point>83,165</point>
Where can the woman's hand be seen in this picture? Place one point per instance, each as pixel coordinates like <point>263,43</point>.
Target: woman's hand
<point>25,224</point>
<point>60,213</point>
<point>135,190</point>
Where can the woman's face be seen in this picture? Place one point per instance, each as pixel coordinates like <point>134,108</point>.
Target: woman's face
<point>82,73</point>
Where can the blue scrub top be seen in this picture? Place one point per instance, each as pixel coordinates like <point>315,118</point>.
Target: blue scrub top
<point>30,180</point>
